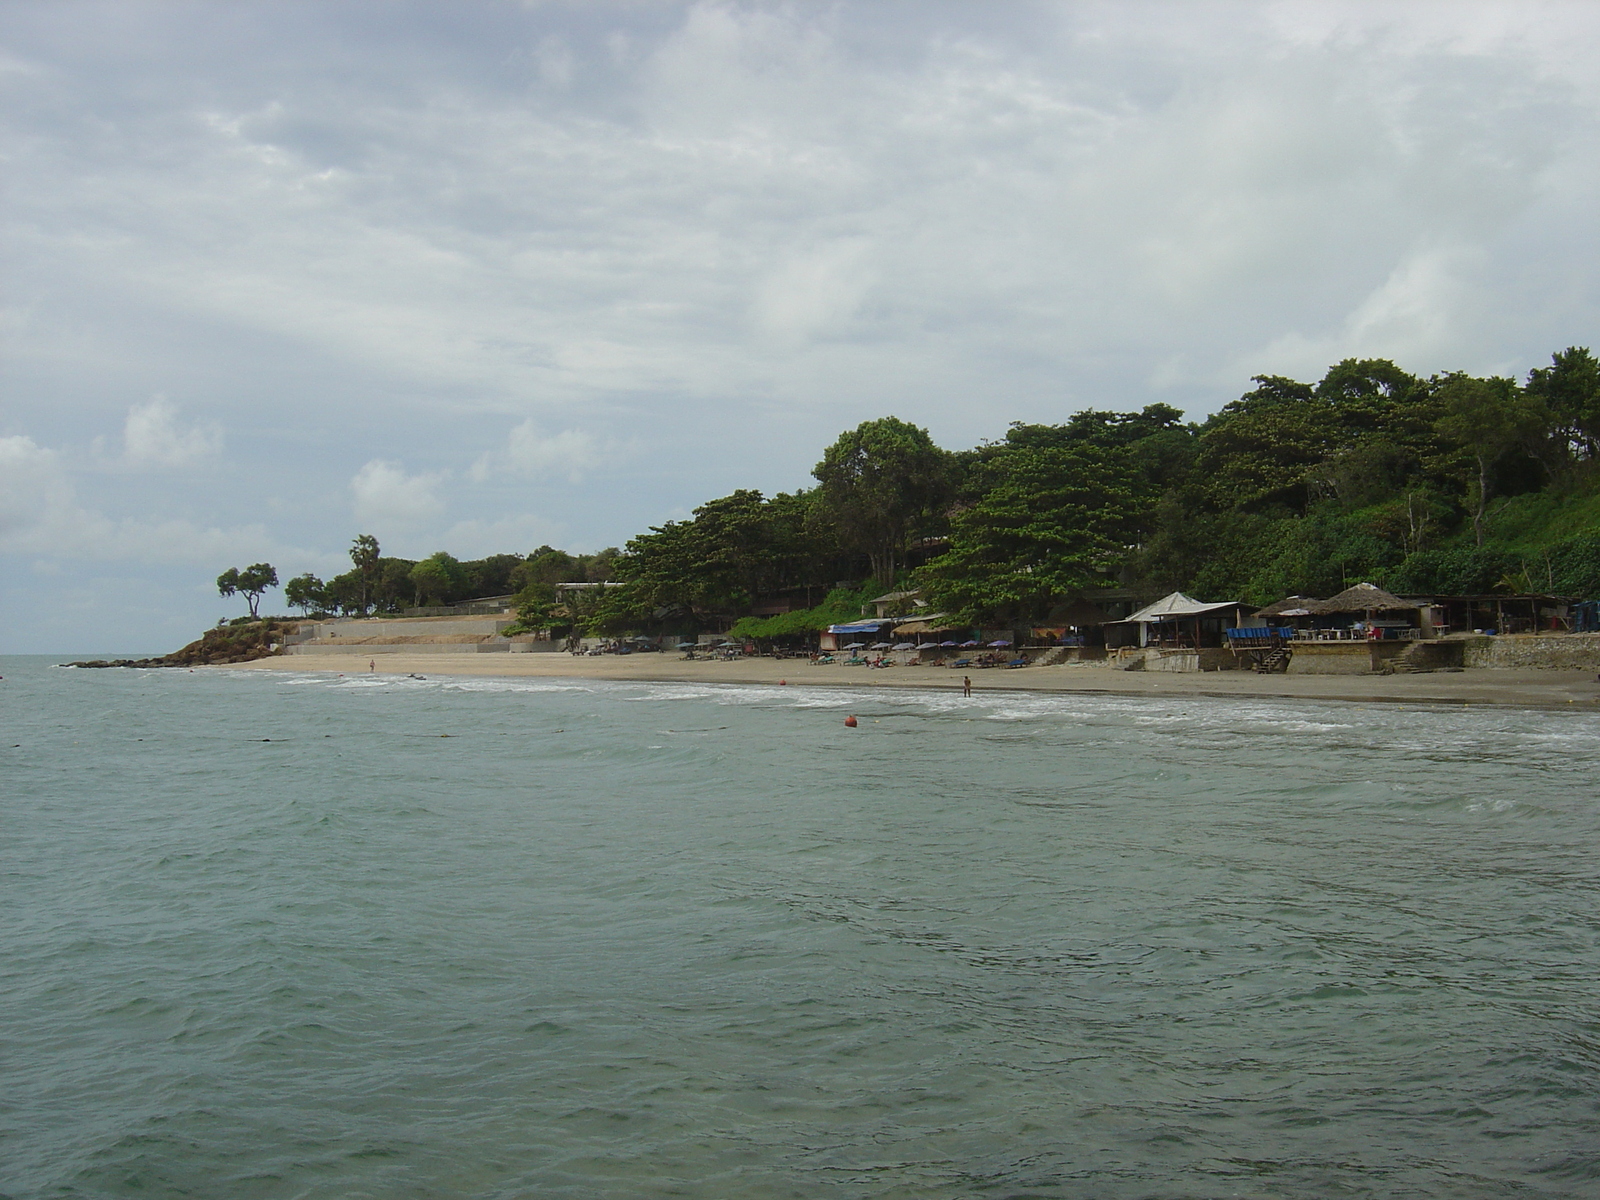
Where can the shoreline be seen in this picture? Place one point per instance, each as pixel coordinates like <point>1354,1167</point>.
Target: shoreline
<point>1500,687</point>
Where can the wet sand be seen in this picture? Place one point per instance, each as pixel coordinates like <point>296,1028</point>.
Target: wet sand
<point>1518,688</point>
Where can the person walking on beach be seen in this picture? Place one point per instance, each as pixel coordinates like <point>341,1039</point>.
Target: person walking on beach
<point>966,685</point>
<point>372,665</point>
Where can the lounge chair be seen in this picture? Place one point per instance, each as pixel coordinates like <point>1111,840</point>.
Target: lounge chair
<point>1017,662</point>
<point>960,663</point>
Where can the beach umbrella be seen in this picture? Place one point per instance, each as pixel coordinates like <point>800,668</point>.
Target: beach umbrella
<point>904,646</point>
<point>970,645</point>
<point>949,645</point>
<point>855,646</point>
<point>879,646</point>
<point>999,643</point>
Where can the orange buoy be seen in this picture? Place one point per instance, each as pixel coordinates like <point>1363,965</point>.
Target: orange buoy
<point>850,722</point>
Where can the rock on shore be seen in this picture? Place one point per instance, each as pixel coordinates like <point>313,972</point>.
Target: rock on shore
<point>216,647</point>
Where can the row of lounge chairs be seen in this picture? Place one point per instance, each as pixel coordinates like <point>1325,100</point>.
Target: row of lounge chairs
<point>960,664</point>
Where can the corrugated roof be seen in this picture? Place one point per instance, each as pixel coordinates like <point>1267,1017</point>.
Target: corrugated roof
<point>932,623</point>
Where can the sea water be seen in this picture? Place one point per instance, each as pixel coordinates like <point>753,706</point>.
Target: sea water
<point>270,935</point>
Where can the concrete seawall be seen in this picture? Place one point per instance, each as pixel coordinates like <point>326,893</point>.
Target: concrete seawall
<point>1570,651</point>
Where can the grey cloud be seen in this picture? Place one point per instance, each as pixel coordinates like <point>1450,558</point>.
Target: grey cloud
<point>391,233</point>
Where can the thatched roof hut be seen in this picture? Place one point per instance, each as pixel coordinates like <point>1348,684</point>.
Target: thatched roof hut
<point>1363,598</point>
<point>1290,606</point>
<point>1079,612</point>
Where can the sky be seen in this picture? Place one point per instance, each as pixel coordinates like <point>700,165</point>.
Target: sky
<point>478,277</point>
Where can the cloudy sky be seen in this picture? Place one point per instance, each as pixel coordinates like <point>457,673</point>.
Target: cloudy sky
<point>480,276</point>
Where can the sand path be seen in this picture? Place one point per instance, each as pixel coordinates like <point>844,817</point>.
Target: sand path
<point>1520,688</point>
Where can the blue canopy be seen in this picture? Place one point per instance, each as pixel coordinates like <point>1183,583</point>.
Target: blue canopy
<point>858,627</point>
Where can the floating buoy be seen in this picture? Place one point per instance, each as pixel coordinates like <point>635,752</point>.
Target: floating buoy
<point>783,683</point>
<point>850,722</point>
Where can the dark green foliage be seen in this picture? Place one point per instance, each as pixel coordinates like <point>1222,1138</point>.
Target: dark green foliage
<point>1051,519</point>
<point>733,550</point>
<point>306,592</point>
<point>882,484</point>
<point>841,606</point>
<point>1459,570</point>
<point>1571,567</point>
<point>250,582</point>
<point>1570,388</point>
<point>1445,485</point>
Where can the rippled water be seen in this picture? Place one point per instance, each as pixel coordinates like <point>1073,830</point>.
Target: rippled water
<point>480,938</point>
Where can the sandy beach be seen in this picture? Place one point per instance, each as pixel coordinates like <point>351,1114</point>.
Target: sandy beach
<point>1519,688</point>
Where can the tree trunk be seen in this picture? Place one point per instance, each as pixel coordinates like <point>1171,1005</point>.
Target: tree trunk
<point>1483,499</point>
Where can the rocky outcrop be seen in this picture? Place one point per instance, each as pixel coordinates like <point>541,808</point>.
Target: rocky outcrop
<point>216,647</point>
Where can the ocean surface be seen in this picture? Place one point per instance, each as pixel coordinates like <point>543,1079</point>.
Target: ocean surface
<point>306,936</point>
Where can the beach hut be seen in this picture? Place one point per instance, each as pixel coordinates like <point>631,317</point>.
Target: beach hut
<point>1369,610</point>
<point>1180,621</point>
<point>852,631</point>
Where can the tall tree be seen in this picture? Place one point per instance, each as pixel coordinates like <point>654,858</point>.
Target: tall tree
<point>1256,452</point>
<point>1570,389</point>
<point>305,592</point>
<point>251,583</point>
<point>1487,419</point>
<point>880,483</point>
<point>364,554</point>
<point>1052,519</point>
<point>438,577</point>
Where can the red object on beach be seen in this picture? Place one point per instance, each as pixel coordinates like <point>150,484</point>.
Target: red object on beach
<point>850,721</point>
<point>783,683</point>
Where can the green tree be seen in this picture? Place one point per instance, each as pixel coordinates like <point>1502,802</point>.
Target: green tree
<point>437,577</point>
<point>1570,389</point>
<point>364,554</point>
<point>1052,519</point>
<point>251,583</point>
<point>1486,419</point>
<point>305,592</point>
<point>881,483</point>
<point>1258,450</point>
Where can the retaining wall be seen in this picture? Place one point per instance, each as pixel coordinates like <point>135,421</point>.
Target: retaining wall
<point>374,648</point>
<point>1571,651</point>
<point>415,627</point>
<point>1342,658</point>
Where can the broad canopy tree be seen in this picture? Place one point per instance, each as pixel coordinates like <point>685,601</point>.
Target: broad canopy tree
<point>251,583</point>
<point>306,592</point>
<point>881,484</point>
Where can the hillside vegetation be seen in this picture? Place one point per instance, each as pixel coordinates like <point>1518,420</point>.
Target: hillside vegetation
<point>1444,484</point>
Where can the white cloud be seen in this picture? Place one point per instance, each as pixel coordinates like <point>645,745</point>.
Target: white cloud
<point>152,437</point>
<point>386,497</point>
<point>731,230</point>
<point>41,516</point>
<point>530,451</point>
<point>518,533</point>
<point>35,495</point>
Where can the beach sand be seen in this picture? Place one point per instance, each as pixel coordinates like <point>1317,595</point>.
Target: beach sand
<point>1519,688</point>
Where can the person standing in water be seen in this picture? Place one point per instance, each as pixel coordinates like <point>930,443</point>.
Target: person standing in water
<point>372,665</point>
<point>966,685</point>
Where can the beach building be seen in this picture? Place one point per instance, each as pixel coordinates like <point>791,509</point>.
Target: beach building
<point>1523,613</point>
<point>898,604</point>
<point>1179,622</point>
<point>868,631</point>
<point>1177,633</point>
